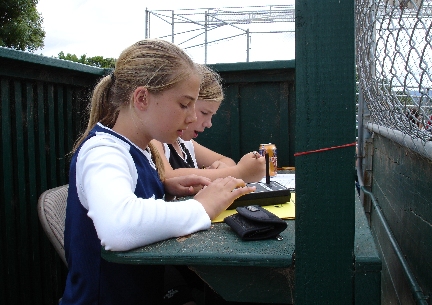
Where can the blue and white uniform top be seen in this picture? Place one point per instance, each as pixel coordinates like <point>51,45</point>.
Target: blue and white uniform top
<point>115,200</point>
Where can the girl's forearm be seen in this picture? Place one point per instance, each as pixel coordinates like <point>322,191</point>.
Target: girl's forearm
<point>209,173</point>
<point>227,161</point>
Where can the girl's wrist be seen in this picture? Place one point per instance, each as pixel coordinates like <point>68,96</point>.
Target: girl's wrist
<point>238,171</point>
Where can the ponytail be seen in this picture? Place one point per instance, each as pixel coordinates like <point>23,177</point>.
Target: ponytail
<point>101,109</point>
<point>157,161</point>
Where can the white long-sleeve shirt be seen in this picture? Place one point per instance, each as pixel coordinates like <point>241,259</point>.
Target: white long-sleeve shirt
<point>106,177</point>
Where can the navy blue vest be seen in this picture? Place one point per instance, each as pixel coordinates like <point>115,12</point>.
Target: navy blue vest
<point>92,280</point>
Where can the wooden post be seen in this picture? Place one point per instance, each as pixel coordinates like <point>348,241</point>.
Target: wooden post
<point>325,118</point>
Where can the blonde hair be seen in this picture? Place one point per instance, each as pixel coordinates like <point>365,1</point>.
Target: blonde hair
<point>155,64</point>
<point>211,85</point>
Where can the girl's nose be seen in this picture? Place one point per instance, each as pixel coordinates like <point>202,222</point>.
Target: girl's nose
<point>191,115</point>
<point>208,123</point>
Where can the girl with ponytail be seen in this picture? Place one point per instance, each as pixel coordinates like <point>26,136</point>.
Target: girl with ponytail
<point>116,196</point>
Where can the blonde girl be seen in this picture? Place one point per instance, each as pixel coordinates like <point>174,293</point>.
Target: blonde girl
<point>186,156</point>
<point>115,195</point>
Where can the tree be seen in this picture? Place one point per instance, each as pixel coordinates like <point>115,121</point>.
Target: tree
<point>96,61</point>
<point>21,25</point>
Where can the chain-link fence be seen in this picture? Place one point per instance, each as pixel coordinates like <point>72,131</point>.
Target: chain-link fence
<point>394,59</point>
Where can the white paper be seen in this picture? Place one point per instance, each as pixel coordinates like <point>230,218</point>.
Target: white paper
<point>287,180</point>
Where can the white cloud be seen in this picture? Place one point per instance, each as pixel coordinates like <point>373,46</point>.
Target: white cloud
<point>101,27</point>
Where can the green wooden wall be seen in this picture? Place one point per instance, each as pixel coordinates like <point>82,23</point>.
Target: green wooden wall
<point>42,105</point>
<point>401,184</point>
<point>259,107</point>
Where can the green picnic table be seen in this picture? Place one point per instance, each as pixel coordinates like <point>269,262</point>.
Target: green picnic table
<point>254,271</point>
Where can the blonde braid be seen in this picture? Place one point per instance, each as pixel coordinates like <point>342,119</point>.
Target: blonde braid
<point>156,157</point>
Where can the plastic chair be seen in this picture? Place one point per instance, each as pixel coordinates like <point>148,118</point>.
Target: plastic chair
<point>52,215</point>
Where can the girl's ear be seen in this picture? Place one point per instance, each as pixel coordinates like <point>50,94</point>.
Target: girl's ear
<point>140,98</point>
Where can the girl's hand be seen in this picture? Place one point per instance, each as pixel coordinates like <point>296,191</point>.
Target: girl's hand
<point>252,167</point>
<point>185,185</point>
<point>218,196</point>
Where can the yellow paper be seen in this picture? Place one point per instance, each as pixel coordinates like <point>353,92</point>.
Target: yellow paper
<point>224,214</point>
<point>284,211</point>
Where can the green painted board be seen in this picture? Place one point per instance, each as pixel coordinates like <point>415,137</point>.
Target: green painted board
<point>325,118</point>
<point>218,246</point>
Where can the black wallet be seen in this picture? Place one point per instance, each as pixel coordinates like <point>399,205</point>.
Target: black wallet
<point>254,222</point>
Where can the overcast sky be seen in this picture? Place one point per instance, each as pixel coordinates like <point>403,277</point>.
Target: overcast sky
<point>105,28</point>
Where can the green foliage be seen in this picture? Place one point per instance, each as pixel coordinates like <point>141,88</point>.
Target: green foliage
<point>21,25</point>
<point>96,61</point>
<point>404,99</point>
